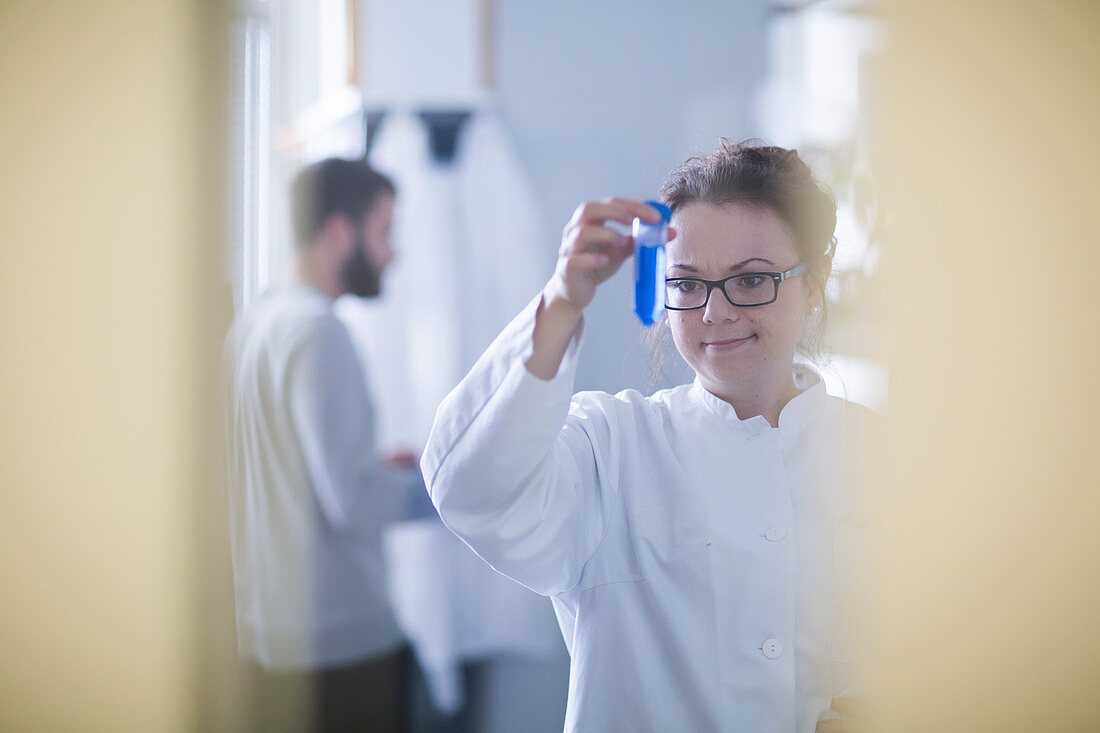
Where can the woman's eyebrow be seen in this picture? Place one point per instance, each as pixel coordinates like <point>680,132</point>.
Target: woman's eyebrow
<point>741,265</point>
<point>733,268</point>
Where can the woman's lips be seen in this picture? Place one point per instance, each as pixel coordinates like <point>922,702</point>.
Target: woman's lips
<point>728,344</point>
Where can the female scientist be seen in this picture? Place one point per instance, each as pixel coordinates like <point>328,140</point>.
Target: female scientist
<point>693,542</point>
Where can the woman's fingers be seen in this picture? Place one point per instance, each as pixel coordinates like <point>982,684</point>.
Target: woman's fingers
<point>852,711</point>
<point>588,237</point>
<point>595,255</point>
<point>852,706</point>
<point>616,209</point>
<point>592,252</point>
<point>588,261</point>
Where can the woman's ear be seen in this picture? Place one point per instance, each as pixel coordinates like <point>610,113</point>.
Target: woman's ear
<point>815,298</point>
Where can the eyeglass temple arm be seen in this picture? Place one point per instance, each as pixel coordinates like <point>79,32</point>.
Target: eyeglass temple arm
<point>793,272</point>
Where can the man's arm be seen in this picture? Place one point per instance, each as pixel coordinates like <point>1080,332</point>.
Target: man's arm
<point>334,419</point>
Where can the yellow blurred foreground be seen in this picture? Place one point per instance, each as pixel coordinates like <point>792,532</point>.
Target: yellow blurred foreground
<point>115,611</point>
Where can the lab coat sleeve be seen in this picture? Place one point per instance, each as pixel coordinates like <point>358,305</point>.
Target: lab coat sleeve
<point>333,417</point>
<point>518,472</point>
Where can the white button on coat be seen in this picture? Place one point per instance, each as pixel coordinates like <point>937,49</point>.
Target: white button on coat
<point>773,648</point>
<point>775,534</point>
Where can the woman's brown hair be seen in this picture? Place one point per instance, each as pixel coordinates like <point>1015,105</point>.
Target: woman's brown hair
<point>776,179</point>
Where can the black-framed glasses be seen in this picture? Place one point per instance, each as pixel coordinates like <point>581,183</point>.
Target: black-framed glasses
<point>745,289</point>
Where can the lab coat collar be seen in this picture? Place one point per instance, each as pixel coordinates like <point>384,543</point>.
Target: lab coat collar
<point>808,402</point>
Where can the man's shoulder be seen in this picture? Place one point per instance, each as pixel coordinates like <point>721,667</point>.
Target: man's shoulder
<point>289,308</point>
<point>285,319</point>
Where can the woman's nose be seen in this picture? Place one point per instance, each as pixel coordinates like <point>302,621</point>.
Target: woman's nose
<point>719,310</point>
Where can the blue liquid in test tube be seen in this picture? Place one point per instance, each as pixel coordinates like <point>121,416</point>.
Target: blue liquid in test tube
<point>649,265</point>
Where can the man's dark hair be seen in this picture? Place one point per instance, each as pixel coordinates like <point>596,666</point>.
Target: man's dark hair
<point>333,186</point>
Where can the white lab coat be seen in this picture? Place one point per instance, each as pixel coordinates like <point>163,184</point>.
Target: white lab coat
<point>698,563</point>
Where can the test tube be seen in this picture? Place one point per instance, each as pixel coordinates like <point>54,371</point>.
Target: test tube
<point>649,265</point>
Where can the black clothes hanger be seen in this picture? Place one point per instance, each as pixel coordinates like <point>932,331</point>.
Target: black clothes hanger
<point>443,129</point>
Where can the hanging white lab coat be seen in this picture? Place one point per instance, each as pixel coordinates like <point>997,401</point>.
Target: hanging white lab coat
<point>698,563</point>
<point>409,335</point>
<point>508,249</point>
<point>467,235</point>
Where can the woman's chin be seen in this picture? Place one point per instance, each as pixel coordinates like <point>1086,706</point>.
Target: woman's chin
<point>728,373</point>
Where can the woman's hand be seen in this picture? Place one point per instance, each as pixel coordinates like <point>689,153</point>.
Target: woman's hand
<point>402,459</point>
<point>591,252</point>
<point>852,717</point>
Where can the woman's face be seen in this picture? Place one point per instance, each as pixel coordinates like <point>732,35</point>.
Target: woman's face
<point>733,348</point>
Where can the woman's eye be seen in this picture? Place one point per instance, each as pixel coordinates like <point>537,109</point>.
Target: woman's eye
<point>687,286</point>
<point>750,281</point>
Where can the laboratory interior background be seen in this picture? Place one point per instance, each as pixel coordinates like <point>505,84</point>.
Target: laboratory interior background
<point>147,150</point>
<point>495,119</point>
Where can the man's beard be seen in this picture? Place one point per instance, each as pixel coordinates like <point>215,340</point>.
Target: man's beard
<point>359,276</point>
